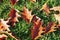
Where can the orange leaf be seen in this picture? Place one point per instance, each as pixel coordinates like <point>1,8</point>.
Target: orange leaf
<point>14,1</point>
<point>37,29</point>
<point>26,14</point>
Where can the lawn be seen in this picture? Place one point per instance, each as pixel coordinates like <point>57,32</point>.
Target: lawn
<point>22,29</point>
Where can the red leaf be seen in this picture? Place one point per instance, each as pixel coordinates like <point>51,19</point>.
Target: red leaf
<point>13,17</point>
<point>50,27</point>
<point>12,13</point>
<point>26,14</point>
<point>14,1</point>
<point>37,29</point>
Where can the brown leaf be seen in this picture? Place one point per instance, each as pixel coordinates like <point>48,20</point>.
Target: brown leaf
<point>57,8</point>
<point>37,29</point>
<point>14,1</point>
<point>50,27</point>
<point>13,17</point>
<point>26,14</point>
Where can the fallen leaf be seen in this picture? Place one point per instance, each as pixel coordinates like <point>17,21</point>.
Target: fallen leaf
<point>37,29</point>
<point>50,27</point>
<point>13,17</point>
<point>26,14</point>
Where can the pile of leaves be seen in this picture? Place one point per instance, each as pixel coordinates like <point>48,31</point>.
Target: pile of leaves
<point>29,20</point>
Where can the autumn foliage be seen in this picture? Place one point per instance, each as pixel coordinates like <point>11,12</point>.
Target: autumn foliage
<point>37,29</point>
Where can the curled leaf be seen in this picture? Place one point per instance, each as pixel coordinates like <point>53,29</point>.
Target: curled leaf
<point>50,27</point>
<point>26,14</point>
<point>13,17</point>
<point>3,25</point>
<point>14,1</point>
<point>37,29</point>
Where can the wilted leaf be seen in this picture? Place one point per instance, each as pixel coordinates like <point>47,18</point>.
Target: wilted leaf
<point>26,14</point>
<point>37,29</point>
<point>13,17</point>
<point>50,27</point>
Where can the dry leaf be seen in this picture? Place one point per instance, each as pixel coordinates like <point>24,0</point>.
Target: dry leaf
<point>14,1</point>
<point>37,29</point>
<point>57,8</point>
<point>13,17</point>
<point>50,27</point>
<point>3,25</point>
<point>26,14</point>
<point>46,8</point>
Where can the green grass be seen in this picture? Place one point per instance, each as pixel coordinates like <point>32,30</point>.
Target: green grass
<point>21,28</point>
